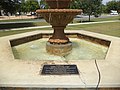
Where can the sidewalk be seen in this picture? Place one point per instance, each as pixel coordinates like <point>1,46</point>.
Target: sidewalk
<point>37,27</point>
<point>24,21</point>
<point>16,17</point>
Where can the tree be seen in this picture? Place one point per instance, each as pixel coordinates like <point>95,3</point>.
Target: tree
<point>104,7</point>
<point>31,5</point>
<point>9,5</point>
<point>89,7</point>
<point>75,4</point>
<point>18,6</point>
<point>23,6</point>
<point>43,4</point>
<point>113,5</point>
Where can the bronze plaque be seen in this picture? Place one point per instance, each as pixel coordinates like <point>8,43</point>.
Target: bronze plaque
<point>59,70</point>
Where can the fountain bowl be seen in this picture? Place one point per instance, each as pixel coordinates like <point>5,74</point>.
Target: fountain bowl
<point>56,17</point>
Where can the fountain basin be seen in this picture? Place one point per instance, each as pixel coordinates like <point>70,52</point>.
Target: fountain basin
<point>26,73</point>
<point>81,48</point>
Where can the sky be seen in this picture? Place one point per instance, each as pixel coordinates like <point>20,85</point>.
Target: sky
<point>104,1</point>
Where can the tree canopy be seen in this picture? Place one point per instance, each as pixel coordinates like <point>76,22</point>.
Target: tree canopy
<point>13,6</point>
<point>32,5</point>
<point>9,5</point>
<point>113,5</point>
<point>89,7</point>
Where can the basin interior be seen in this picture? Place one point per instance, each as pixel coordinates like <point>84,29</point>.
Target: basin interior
<point>84,48</point>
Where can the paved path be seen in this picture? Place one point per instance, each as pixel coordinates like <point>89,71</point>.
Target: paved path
<point>37,27</point>
<point>23,21</point>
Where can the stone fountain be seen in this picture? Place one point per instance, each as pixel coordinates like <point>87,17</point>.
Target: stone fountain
<point>58,15</point>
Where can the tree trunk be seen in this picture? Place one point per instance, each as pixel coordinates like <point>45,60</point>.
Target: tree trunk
<point>89,17</point>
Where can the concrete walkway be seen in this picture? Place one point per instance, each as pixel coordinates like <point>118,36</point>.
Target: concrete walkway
<point>24,21</point>
<point>37,27</point>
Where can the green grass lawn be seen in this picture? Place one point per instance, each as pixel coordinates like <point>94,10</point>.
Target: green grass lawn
<point>30,24</point>
<point>106,19</point>
<point>97,19</point>
<point>111,28</point>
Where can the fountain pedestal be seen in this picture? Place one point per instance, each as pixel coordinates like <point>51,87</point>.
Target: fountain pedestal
<point>60,50</point>
<point>58,44</point>
<point>58,36</point>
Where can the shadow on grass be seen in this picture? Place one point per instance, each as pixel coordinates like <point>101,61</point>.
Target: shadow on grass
<point>15,25</point>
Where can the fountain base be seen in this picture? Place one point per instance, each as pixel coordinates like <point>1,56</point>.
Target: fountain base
<point>59,49</point>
